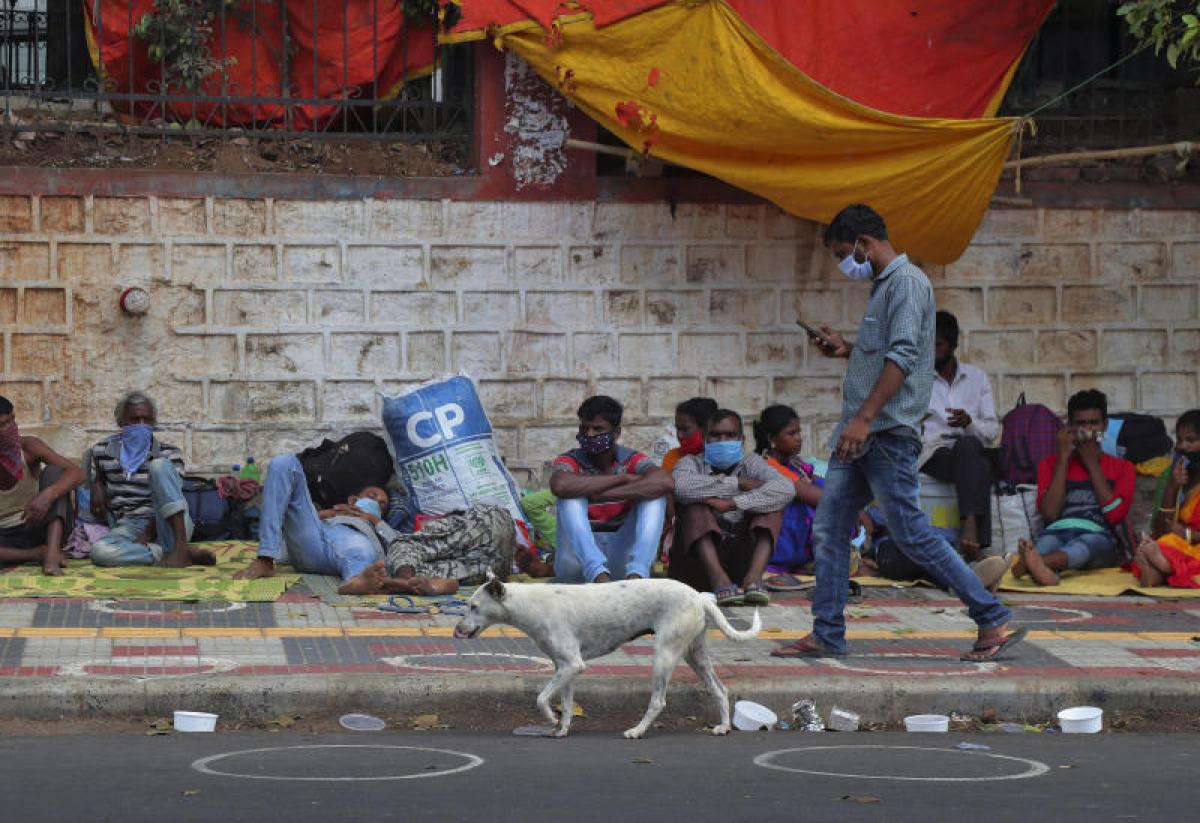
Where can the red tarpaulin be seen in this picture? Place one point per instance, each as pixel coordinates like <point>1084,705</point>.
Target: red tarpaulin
<point>356,50</point>
<point>922,58</point>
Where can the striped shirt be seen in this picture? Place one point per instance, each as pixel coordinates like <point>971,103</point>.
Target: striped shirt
<point>129,497</point>
<point>696,481</point>
<point>627,461</point>
<point>898,326</point>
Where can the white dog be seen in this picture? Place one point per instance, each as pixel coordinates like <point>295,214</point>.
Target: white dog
<point>571,624</point>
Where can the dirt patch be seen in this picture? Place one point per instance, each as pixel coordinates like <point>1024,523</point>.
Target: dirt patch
<point>232,155</point>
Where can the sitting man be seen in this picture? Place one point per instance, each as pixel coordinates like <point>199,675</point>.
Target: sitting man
<point>960,424</point>
<point>138,480</point>
<point>1083,494</point>
<point>731,506</point>
<point>36,512</point>
<point>611,501</point>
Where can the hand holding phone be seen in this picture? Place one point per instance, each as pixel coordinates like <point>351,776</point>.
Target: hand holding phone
<point>816,334</point>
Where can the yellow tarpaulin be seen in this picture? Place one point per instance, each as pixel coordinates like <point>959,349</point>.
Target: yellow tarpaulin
<point>711,95</point>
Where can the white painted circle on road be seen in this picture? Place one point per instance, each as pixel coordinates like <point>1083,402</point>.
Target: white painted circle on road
<point>203,765</point>
<point>1034,768</point>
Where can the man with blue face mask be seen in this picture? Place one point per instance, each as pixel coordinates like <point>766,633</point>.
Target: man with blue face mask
<point>885,395</point>
<point>611,501</point>
<point>137,486</point>
<point>731,506</point>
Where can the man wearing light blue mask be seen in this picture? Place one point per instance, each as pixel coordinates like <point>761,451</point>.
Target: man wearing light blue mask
<point>885,395</point>
<point>340,541</point>
<point>137,486</point>
<point>731,506</point>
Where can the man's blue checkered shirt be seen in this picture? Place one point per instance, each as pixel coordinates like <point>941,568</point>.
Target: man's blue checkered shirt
<point>898,325</point>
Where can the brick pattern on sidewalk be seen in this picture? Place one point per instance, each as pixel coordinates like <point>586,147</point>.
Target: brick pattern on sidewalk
<point>894,633</point>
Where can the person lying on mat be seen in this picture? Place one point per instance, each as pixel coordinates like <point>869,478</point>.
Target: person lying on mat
<point>138,480</point>
<point>1172,556</point>
<point>318,542</point>
<point>36,509</point>
<point>1084,496</point>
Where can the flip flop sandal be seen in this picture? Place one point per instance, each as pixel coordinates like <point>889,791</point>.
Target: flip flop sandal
<point>999,645</point>
<point>404,604</point>
<point>786,583</point>
<point>728,596</point>
<point>806,647</point>
<point>756,595</point>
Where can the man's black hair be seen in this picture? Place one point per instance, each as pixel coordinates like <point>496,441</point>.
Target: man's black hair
<point>724,414</point>
<point>947,328</point>
<point>699,409</point>
<point>601,405</point>
<point>854,221</point>
<point>6,406</point>
<point>1085,400</point>
<point>1187,420</point>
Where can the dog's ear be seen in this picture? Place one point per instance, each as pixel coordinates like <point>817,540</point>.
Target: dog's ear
<point>494,587</point>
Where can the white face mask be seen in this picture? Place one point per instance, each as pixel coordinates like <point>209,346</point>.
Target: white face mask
<point>854,269</point>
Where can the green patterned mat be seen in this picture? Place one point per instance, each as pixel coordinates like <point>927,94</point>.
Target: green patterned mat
<point>83,579</point>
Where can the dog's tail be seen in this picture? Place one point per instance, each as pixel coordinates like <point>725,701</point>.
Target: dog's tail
<point>721,622</point>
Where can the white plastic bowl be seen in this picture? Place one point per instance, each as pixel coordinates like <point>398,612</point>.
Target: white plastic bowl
<point>195,722</point>
<point>927,723</point>
<point>1081,720</point>
<point>753,717</point>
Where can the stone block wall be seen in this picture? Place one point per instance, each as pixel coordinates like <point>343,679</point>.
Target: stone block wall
<point>276,322</point>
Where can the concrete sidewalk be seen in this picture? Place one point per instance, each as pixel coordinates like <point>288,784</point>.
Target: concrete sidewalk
<point>75,658</point>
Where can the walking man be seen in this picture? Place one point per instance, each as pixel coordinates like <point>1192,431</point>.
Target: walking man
<point>884,397</point>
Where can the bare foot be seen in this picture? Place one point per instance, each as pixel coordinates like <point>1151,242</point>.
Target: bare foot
<point>603,577</point>
<point>1018,567</point>
<point>1042,574</point>
<point>368,581</point>
<point>633,576</point>
<point>53,562</point>
<point>430,586</point>
<point>259,567</point>
<point>1148,576</point>
<point>1151,562</point>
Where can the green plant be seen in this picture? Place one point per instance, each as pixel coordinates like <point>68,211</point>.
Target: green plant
<point>1172,26</point>
<point>179,36</point>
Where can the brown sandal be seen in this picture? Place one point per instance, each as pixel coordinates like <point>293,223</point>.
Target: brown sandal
<point>807,646</point>
<point>994,648</point>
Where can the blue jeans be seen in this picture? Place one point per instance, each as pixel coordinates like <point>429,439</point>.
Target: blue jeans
<point>120,547</point>
<point>581,554</point>
<point>887,473</point>
<point>313,545</point>
<point>1084,549</point>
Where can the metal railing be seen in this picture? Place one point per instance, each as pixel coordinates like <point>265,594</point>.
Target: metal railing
<point>263,68</point>
<point>1141,101</point>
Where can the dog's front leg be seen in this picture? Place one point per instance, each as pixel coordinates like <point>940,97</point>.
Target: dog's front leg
<point>564,672</point>
<point>567,692</point>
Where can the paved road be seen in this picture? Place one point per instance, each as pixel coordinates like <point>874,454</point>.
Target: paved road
<point>599,776</point>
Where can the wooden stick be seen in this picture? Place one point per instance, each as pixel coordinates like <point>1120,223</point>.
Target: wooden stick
<point>1182,147</point>
<point>1006,200</point>
<point>599,148</point>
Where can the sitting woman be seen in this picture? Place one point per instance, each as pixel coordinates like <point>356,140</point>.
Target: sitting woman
<point>777,438</point>
<point>1172,556</point>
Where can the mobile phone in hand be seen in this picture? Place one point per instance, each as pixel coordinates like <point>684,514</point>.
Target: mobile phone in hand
<point>815,332</point>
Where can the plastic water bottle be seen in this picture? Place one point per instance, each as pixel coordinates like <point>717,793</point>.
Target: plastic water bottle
<point>250,471</point>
